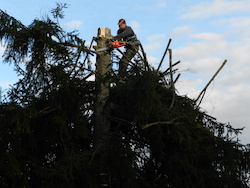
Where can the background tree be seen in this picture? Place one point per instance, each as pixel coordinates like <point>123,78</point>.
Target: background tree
<point>156,139</point>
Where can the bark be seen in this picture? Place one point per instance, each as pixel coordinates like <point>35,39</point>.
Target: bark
<point>103,67</point>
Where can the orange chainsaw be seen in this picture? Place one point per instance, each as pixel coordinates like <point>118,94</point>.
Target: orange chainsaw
<point>111,45</point>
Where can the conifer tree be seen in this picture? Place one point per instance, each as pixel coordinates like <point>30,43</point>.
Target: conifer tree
<point>156,138</point>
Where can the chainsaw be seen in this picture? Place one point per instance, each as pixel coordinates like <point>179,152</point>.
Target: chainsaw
<point>112,45</point>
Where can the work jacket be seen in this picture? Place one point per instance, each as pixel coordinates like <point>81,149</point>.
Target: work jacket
<point>127,35</point>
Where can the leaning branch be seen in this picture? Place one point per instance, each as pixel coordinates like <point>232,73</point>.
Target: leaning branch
<point>164,54</point>
<point>202,93</point>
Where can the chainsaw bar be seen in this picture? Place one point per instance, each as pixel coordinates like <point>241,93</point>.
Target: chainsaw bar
<point>112,45</point>
<point>102,49</point>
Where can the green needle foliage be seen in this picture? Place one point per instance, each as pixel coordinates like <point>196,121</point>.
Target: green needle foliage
<point>156,138</point>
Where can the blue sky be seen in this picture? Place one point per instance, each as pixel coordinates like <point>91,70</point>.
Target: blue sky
<point>204,33</point>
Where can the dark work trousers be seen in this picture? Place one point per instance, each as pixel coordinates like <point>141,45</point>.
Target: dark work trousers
<point>126,58</point>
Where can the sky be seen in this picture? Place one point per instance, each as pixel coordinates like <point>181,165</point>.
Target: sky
<point>204,33</point>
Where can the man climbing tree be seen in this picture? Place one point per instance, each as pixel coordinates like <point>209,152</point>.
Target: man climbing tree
<point>127,34</point>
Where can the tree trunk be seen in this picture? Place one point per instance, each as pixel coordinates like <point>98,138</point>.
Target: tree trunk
<point>103,67</point>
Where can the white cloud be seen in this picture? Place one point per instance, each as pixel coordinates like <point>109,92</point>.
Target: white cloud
<point>208,36</point>
<point>229,104</point>
<point>206,55</point>
<point>227,97</point>
<point>161,4</point>
<point>91,78</point>
<point>73,24</point>
<point>181,32</point>
<point>240,22</point>
<point>1,51</point>
<point>154,42</point>
<point>235,76</point>
<point>200,57</point>
<point>188,87</point>
<point>136,26</point>
<point>152,60</point>
<point>238,27</point>
<point>217,7</point>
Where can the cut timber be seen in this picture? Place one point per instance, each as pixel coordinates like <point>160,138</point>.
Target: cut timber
<point>104,32</point>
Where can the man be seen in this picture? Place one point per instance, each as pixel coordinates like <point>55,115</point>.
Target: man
<point>127,34</point>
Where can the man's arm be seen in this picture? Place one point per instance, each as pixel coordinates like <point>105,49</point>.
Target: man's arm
<point>128,32</point>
